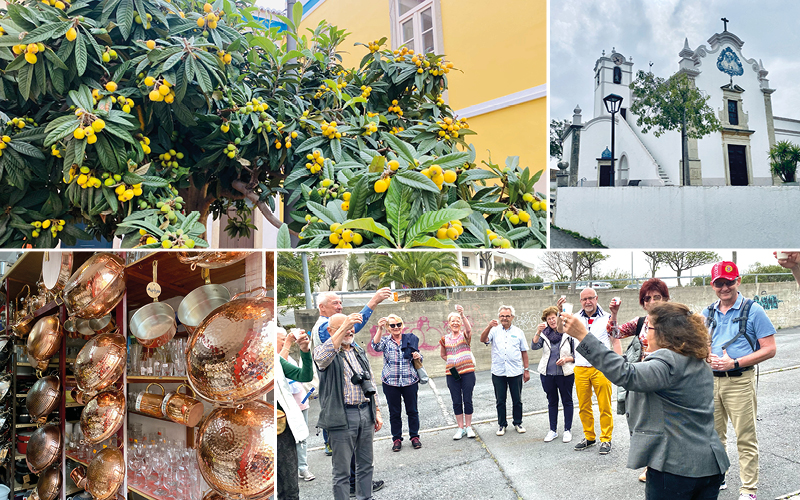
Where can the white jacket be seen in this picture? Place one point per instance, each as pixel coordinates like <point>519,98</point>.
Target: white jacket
<point>565,349</point>
<point>294,416</point>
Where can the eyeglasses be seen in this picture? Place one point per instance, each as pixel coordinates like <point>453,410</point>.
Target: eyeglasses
<point>589,298</point>
<point>506,316</point>
<point>721,282</point>
<point>654,298</point>
<point>652,328</point>
<point>395,325</point>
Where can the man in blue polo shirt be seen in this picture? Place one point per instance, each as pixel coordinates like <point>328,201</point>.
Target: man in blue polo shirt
<point>734,353</point>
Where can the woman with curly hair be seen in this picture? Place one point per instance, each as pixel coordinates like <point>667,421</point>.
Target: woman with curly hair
<point>671,403</point>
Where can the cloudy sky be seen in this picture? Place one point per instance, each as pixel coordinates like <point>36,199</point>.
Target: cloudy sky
<point>654,30</point>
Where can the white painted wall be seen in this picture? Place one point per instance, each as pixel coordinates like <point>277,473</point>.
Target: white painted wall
<point>682,217</point>
<point>787,129</point>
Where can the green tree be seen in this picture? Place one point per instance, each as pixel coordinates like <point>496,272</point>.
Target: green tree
<point>759,268</point>
<point>681,261</point>
<point>414,270</point>
<point>588,260</point>
<point>617,274</point>
<point>557,130</point>
<point>783,158</point>
<point>511,269</point>
<point>674,103</point>
<point>290,276</point>
<point>654,261</point>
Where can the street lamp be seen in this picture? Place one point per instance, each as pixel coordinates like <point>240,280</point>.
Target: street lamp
<point>613,102</point>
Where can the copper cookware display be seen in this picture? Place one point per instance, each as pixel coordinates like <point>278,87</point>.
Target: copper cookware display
<point>48,486</point>
<point>96,287</point>
<point>43,398</point>
<point>23,318</point>
<point>105,324</point>
<point>211,260</point>
<point>236,451</point>
<point>36,302</point>
<point>45,340</point>
<point>100,363</point>
<point>200,302</point>
<point>103,416</point>
<point>230,356</point>
<point>104,476</point>
<point>79,325</point>
<point>151,404</point>
<point>154,325</point>
<point>44,448</point>
<point>56,270</point>
<point>182,408</point>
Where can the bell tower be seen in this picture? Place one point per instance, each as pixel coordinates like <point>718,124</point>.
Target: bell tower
<point>612,75</point>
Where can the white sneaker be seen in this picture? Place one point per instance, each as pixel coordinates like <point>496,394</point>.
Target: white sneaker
<point>459,434</point>
<point>306,475</point>
<point>501,431</point>
<point>747,496</point>
<point>520,429</point>
<point>567,437</point>
<point>470,432</point>
<point>551,435</point>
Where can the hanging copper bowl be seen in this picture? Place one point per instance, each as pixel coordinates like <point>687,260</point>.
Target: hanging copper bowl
<point>231,355</point>
<point>43,398</point>
<point>48,486</point>
<point>100,363</point>
<point>80,326</point>
<point>44,448</point>
<point>102,325</point>
<point>199,303</point>
<point>211,260</point>
<point>56,270</point>
<point>45,340</point>
<point>236,451</point>
<point>104,476</point>
<point>103,416</point>
<point>96,287</point>
<point>153,325</point>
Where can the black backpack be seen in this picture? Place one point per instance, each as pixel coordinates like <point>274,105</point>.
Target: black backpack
<point>711,323</point>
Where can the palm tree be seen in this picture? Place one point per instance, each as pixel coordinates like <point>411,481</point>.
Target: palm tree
<point>414,270</point>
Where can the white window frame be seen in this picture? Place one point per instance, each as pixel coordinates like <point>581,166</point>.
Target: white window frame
<point>415,15</point>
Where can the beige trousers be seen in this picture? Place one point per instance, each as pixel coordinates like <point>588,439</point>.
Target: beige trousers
<point>735,399</point>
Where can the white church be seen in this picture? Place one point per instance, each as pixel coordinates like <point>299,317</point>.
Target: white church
<point>737,155</point>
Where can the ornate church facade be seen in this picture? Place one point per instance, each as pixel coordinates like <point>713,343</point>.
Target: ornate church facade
<point>736,155</point>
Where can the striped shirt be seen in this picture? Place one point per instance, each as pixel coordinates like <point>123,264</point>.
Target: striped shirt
<point>324,354</point>
<point>459,354</point>
<point>397,370</point>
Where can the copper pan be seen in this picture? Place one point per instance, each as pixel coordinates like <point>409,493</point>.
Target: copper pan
<point>56,270</point>
<point>96,287</point>
<point>103,416</point>
<point>100,363</point>
<point>153,325</point>
<point>44,448</point>
<point>104,476</point>
<point>45,340</point>
<point>80,326</point>
<point>43,398</point>
<point>230,356</point>
<point>211,259</point>
<point>48,486</point>
<point>23,319</point>
<point>36,302</point>
<point>102,325</point>
<point>236,451</point>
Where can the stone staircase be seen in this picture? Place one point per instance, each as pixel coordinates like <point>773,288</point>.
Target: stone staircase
<point>664,177</point>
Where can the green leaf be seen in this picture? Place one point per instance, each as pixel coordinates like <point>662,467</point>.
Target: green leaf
<point>24,79</point>
<point>431,221</point>
<point>310,144</point>
<point>430,241</point>
<point>26,149</point>
<point>118,132</point>
<point>284,240</point>
<point>378,164</point>
<point>323,213</point>
<point>475,174</point>
<point>125,17</point>
<point>398,210</point>
<point>369,224</point>
<point>336,148</point>
<point>488,207</point>
<point>403,149</point>
<point>110,196</point>
<point>415,180</point>
<point>81,57</point>
<point>448,161</point>
<point>358,198</point>
<point>202,77</point>
<point>42,33</point>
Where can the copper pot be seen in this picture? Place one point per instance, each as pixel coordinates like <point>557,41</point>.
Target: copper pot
<point>48,486</point>
<point>236,451</point>
<point>44,448</point>
<point>100,363</point>
<point>181,408</point>
<point>80,326</point>
<point>103,416</point>
<point>23,319</point>
<point>231,355</point>
<point>153,325</point>
<point>211,259</point>
<point>36,302</point>
<point>151,404</point>
<point>45,340</point>
<point>56,270</point>
<point>96,287</point>
<point>104,476</point>
<point>105,324</point>
<point>43,398</point>
<point>199,303</point>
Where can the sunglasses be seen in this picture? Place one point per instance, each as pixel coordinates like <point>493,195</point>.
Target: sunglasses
<point>395,325</point>
<point>648,298</point>
<point>723,282</point>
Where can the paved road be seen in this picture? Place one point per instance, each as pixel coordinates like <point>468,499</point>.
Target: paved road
<point>523,466</point>
<point>561,239</point>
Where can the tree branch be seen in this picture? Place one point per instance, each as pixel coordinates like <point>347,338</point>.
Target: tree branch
<point>242,187</point>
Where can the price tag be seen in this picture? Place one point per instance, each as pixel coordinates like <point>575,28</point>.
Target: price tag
<point>153,289</point>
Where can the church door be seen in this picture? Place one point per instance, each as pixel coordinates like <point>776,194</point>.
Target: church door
<point>605,175</point>
<point>737,160</point>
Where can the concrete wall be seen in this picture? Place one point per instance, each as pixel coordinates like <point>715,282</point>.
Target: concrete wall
<point>427,319</point>
<point>682,217</point>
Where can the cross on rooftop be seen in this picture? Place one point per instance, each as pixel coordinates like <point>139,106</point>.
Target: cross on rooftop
<point>725,21</point>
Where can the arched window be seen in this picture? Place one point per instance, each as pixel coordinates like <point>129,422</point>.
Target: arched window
<point>617,75</point>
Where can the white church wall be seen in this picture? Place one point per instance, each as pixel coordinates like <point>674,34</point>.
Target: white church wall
<point>787,129</point>
<point>682,217</point>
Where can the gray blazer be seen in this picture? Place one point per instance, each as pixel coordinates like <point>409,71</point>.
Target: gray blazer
<point>670,410</point>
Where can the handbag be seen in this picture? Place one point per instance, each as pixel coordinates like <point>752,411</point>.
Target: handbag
<point>281,421</point>
<point>421,373</point>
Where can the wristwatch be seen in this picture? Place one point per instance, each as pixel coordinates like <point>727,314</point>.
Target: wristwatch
<point>526,369</point>
<point>736,363</point>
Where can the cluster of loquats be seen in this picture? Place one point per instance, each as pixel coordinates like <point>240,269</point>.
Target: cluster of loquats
<point>108,56</point>
<point>138,19</point>
<point>344,238</point>
<point>382,184</point>
<point>452,230</point>
<point>441,68</point>
<point>439,176</point>
<point>177,239</point>
<point>497,240</point>
<point>4,144</point>
<point>55,226</point>
<point>395,108</point>
<point>89,125</point>
<point>126,192</point>
<point>374,46</point>
<point>370,128</point>
<point>30,50</point>
<point>449,127</point>
<point>315,161</point>
<point>536,204</point>
<point>210,19</point>
<point>144,142</point>
<point>161,89</point>
<point>170,158</point>
<point>366,90</point>
<point>330,131</point>
<point>224,57</point>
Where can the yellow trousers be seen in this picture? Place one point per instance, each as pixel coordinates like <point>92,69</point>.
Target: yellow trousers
<point>735,400</point>
<point>586,379</point>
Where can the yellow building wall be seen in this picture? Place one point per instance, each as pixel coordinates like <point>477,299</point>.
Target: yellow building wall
<point>365,20</point>
<point>500,48</point>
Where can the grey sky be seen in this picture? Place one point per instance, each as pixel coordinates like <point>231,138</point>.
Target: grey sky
<point>654,30</point>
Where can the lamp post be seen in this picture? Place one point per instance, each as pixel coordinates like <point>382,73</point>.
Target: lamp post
<point>613,102</point>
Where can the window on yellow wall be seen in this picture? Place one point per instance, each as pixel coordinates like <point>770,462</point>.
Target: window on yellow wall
<point>417,26</point>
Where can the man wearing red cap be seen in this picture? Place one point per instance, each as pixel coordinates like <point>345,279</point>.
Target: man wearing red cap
<point>741,337</point>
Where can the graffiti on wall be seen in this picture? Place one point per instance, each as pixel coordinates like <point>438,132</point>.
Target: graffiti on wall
<point>767,301</point>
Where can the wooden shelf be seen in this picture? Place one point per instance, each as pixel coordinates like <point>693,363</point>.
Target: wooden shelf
<point>74,405</point>
<point>22,487</point>
<point>141,379</point>
<point>75,459</point>
<point>23,426</point>
<point>149,495</point>
<point>72,489</point>
<point>163,419</point>
<point>19,456</point>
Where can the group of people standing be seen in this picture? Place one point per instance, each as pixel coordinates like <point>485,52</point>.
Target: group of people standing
<point>683,376</point>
